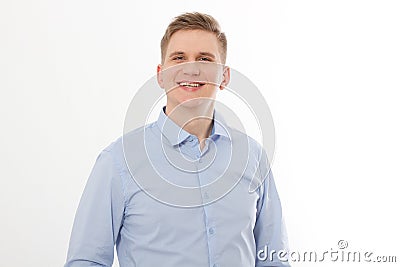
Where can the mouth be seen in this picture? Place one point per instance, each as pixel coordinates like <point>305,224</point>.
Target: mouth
<point>190,85</point>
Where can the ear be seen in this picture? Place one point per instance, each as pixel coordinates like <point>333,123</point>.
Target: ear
<point>226,77</point>
<point>159,76</point>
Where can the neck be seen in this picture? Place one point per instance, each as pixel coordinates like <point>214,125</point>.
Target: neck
<point>197,120</point>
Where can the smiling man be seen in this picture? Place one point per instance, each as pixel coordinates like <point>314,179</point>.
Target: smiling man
<point>176,192</point>
<point>192,71</point>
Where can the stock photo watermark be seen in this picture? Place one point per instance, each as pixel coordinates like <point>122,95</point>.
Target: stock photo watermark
<point>341,253</point>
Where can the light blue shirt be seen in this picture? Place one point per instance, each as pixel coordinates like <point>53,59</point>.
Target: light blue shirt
<point>166,203</point>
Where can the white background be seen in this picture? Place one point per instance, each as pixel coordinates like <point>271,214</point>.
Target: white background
<point>329,71</point>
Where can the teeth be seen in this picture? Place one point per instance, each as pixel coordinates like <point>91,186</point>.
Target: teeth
<point>189,84</point>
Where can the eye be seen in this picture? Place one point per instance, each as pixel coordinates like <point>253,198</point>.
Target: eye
<point>204,59</point>
<point>178,58</point>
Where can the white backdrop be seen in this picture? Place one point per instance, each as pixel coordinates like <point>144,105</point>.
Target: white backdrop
<point>329,71</point>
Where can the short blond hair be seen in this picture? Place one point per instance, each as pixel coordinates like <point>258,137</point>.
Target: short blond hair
<point>194,21</point>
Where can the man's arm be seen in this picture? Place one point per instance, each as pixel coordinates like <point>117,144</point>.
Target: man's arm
<point>98,218</point>
<point>270,231</point>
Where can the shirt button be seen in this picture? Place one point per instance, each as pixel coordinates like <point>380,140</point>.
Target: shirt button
<point>211,231</point>
<point>206,196</point>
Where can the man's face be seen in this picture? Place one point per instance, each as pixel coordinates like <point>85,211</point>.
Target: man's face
<point>192,71</point>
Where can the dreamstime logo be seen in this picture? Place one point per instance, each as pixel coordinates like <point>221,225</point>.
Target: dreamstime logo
<point>341,254</point>
<point>154,164</point>
<point>342,244</point>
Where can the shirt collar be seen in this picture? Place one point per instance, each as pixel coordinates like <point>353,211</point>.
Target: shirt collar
<point>176,135</point>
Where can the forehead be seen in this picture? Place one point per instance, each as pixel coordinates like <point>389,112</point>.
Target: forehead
<point>193,41</point>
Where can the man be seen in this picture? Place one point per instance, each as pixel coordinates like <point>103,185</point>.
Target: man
<point>176,192</point>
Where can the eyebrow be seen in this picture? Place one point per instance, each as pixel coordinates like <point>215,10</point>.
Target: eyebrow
<point>207,54</point>
<point>182,53</point>
<point>176,53</point>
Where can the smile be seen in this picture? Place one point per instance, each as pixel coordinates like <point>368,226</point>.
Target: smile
<point>190,86</point>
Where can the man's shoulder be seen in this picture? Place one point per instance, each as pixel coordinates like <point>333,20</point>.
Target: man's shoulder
<point>243,138</point>
<point>116,148</point>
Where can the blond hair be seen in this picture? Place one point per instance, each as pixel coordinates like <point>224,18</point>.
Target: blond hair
<point>194,21</point>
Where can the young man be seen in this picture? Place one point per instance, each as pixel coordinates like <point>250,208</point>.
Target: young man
<point>176,192</point>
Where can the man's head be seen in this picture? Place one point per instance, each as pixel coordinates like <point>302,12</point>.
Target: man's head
<point>194,21</point>
<point>193,61</point>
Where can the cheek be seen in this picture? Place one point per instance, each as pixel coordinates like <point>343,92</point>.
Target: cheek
<point>209,91</point>
<point>169,78</point>
<point>171,87</point>
<point>214,76</point>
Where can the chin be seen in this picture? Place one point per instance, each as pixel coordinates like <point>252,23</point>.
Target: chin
<point>198,103</point>
<point>193,102</point>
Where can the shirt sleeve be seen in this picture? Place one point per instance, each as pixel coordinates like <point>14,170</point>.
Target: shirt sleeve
<point>99,216</point>
<point>270,231</point>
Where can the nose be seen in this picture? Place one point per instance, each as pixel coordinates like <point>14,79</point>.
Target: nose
<point>191,68</point>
